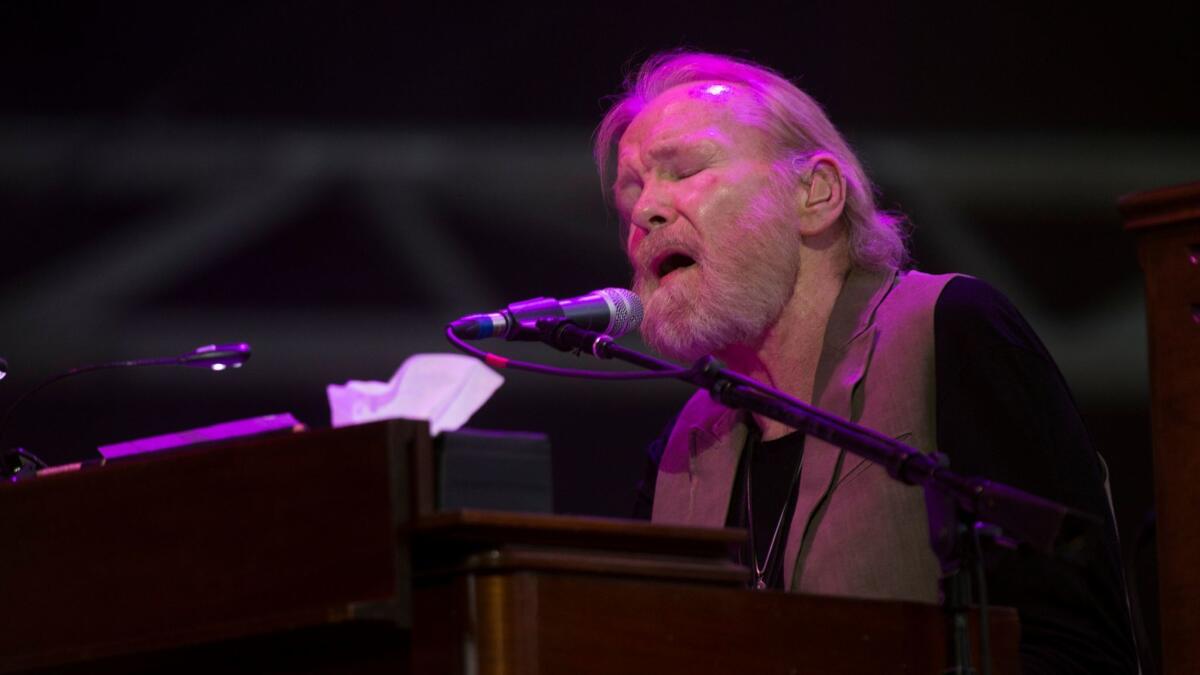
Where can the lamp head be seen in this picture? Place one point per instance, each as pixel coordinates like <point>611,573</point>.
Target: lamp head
<point>216,357</point>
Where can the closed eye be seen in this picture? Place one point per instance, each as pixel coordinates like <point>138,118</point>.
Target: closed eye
<point>625,197</point>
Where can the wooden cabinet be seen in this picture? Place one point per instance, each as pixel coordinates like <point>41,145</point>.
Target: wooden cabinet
<point>320,552</point>
<point>1167,225</point>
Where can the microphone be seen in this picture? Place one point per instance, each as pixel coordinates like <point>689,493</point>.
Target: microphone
<point>613,311</point>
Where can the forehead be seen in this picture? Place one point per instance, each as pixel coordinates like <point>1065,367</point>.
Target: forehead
<point>692,111</point>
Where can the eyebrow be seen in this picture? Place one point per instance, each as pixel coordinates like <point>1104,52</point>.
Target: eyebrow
<point>677,145</point>
<point>669,149</point>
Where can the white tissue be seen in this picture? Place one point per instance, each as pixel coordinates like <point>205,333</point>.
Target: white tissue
<point>445,389</point>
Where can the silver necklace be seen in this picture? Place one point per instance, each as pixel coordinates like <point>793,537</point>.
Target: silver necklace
<point>760,572</point>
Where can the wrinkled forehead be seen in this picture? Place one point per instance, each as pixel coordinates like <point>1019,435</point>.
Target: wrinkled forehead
<point>712,109</point>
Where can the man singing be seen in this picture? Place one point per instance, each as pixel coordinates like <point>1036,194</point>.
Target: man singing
<point>754,236</point>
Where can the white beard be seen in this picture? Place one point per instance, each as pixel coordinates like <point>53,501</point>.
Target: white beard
<point>736,291</point>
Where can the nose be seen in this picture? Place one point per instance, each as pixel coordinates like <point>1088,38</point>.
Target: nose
<point>654,208</point>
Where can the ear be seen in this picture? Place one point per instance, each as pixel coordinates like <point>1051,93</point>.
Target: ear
<point>822,193</point>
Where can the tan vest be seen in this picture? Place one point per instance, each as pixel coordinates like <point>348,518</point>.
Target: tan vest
<point>855,531</point>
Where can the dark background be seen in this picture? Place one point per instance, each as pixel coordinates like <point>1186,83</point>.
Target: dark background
<point>334,181</point>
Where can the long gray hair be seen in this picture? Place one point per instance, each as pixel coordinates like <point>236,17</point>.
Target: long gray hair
<point>787,115</point>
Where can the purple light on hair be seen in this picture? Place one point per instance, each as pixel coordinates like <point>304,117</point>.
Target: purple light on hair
<point>717,91</point>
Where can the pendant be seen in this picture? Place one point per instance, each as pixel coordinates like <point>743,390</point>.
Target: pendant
<point>759,584</point>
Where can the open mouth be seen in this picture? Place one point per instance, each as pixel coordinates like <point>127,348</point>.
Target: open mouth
<point>672,263</point>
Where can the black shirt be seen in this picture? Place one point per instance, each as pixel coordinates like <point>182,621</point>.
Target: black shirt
<point>1003,412</point>
<point>771,471</point>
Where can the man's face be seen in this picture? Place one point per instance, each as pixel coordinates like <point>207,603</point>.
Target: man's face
<point>715,257</point>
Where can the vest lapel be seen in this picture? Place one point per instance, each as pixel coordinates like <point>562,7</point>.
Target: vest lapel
<point>845,355</point>
<point>716,449</point>
<point>695,474</point>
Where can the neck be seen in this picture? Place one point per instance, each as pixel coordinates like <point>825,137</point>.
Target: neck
<point>786,355</point>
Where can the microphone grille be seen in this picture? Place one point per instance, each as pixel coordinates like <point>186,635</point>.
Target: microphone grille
<point>626,310</point>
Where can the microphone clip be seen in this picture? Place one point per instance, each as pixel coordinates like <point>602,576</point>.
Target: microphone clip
<point>560,333</point>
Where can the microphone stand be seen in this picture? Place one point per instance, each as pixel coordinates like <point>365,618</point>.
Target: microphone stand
<point>993,509</point>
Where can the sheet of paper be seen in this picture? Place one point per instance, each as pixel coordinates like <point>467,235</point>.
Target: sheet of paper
<point>254,426</point>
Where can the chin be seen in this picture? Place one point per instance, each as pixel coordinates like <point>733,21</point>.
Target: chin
<point>676,340</point>
<point>683,323</point>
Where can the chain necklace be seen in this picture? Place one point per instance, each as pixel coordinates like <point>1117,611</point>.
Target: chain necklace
<point>760,572</point>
